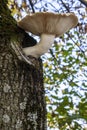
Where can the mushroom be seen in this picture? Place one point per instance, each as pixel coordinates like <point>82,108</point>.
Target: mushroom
<point>48,26</point>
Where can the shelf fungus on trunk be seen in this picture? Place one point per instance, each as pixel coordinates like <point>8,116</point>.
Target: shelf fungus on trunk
<point>48,26</point>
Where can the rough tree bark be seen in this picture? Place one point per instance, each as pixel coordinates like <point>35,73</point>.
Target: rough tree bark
<point>22,100</point>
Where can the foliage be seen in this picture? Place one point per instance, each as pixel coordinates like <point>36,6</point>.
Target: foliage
<point>65,65</point>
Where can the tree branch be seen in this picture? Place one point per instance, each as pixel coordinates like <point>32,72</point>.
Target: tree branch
<point>31,4</point>
<point>83,2</point>
<point>65,6</point>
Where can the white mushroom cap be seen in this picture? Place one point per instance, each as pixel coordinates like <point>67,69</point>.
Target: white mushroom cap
<point>48,23</point>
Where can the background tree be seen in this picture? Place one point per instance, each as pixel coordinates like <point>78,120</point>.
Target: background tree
<point>65,65</point>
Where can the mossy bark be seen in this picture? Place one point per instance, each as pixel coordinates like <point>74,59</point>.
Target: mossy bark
<point>22,97</point>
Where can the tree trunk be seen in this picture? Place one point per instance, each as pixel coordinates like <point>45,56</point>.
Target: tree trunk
<point>22,100</point>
